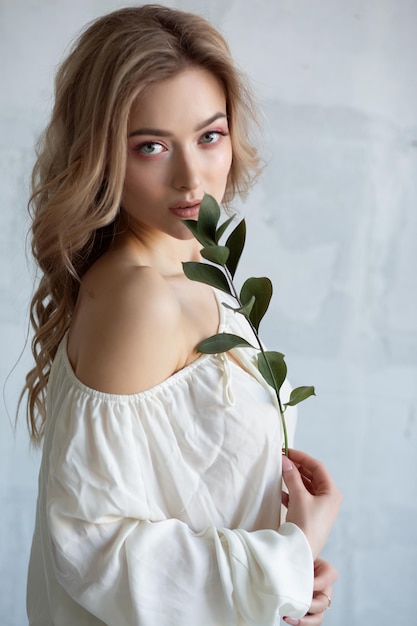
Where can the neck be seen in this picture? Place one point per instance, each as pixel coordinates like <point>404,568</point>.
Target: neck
<point>159,250</point>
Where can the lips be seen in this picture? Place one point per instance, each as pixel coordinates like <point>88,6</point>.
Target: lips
<point>185,210</point>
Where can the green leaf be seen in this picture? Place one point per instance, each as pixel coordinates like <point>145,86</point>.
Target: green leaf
<point>245,309</point>
<point>299,394</point>
<point>193,227</point>
<point>222,343</point>
<point>222,228</point>
<point>208,218</point>
<point>273,368</point>
<point>216,254</point>
<point>261,289</point>
<point>203,273</point>
<point>235,243</point>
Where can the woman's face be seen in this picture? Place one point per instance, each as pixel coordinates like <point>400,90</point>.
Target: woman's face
<point>178,149</point>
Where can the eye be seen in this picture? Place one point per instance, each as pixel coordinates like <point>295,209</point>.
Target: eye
<point>150,148</point>
<point>212,136</point>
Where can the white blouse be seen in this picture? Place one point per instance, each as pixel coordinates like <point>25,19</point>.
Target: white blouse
<point>162,508</point>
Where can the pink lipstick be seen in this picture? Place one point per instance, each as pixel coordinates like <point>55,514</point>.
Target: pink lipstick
<point>185,210</point>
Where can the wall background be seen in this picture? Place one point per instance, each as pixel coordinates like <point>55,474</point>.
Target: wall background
<point>333,222</point>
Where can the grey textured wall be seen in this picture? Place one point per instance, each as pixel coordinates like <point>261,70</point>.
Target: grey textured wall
<point>333,222</point>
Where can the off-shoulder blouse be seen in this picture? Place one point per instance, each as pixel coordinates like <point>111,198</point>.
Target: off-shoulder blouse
<point>162,508</point>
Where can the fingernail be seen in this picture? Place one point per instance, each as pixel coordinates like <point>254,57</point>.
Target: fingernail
<point>291,620</point>
<point>286,466</point>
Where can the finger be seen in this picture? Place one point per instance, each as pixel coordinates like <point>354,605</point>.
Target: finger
<point>291,476</point>
<point>325,575</point>
<point>285,499</point>
<point>307,620</point>
<point>321,601</point>
<point>307,464</point>
<point>312,620</point>
<point>302,458</point>
<point>301,481</point>
<point>315,471</point>
<point>305,475</point>
<point>307,483</point>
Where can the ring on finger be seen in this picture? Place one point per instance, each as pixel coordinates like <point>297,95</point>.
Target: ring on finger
<point>329,600</point>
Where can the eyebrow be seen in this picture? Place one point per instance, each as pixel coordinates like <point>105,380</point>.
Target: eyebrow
<point>164,133</point>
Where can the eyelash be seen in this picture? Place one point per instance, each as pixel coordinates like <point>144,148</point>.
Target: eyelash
<point>141,147</point>
<point>214,132</point>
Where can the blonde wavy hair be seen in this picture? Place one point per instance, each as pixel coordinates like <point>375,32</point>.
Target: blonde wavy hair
<point>78,177</point>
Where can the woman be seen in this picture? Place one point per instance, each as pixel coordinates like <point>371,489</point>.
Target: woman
<point>160,484</point>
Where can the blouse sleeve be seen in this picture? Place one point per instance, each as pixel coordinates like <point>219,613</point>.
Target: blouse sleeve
<point>127,565</point>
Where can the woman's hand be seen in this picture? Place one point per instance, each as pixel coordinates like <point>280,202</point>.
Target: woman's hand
<point>313,499</point>
<point>324,577</point>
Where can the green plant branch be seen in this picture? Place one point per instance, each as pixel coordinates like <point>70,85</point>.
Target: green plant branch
<point>219,273</point>
<point>262,350</point>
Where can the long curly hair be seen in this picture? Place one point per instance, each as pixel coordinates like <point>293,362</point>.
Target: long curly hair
<point>78,176</point>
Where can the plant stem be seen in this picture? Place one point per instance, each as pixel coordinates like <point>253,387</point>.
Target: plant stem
<point>261,348</point>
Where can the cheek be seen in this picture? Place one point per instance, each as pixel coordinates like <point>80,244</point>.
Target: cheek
<point>138,180</point>
<point>224,162</point>
<point>228,156</point>
<point>227,162</point>
<point>130,178</point>
<point>134,191</point>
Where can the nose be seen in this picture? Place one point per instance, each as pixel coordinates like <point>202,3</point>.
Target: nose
<point>186,171</point>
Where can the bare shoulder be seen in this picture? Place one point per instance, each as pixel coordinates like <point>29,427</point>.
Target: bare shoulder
<point>127,333</point>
